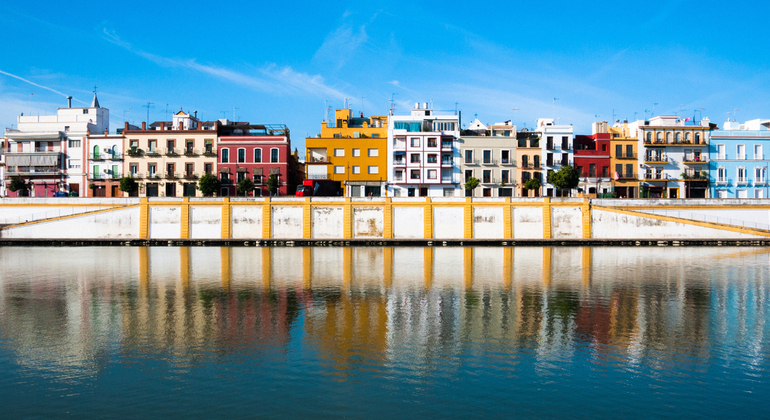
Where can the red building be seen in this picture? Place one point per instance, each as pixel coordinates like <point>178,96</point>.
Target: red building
<point>256,152</point>
<point>592,162</point>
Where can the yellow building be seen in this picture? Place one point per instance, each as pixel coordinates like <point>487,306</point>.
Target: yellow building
<point>624,158</point>
<point>352,151</point>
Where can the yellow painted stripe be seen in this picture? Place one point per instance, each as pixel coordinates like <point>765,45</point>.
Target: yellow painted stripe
<point>69,216</point>
<point>718,226</point>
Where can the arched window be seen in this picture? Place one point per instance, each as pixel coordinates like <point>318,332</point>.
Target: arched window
<point>687,137</point>
<point>649,136</point>
<point>697,138</point>
<point>659,138</point>
<point>96,152</point>
<point>225,155</point>
<point>668,137</point>
<point>257,155</point>
<point>678,137</point>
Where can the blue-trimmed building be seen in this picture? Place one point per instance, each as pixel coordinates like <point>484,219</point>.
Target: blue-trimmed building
<point>739,156</point>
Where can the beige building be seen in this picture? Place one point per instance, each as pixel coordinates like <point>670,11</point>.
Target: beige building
<point>488,154</point>
<point>168,162</point>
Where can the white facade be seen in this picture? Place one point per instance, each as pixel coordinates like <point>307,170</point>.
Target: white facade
<point>556,143</point>
<point>54,149</point>
<point>488,153</point>
<point>423,156</point>
<point>105,157</point>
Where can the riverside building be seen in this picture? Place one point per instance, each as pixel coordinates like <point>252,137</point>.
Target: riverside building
<point>557,150</point>
<point>352,151</point>
<point>423,158</point>
<point>105,164</point>
<point>168,159</point>
<point>592,163</point>
<point>488,154</point>
<point>50,152</point>
<point>737,161</point>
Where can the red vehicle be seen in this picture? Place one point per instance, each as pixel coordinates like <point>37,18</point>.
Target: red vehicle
<point>318,188</point>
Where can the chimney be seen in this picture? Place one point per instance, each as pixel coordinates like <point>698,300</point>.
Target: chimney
<point>196,114</point>
<point>144,125</point>
<point>162,126</point>
<point>106,131</point>
<point>125,126</point>
<point>69,101</point>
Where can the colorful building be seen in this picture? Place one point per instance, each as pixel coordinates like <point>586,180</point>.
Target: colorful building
<point>624,152</point>
<point>488,154</point>
<point>423,158</point>
<point>528,157</point>
<point>168,162</point>
<point>352,151</point>
<point>737,161</point>
<point>592,163</point>
<point>256,152</point>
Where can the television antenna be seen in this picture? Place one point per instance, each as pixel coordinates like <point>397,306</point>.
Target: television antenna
<point>148,106</point>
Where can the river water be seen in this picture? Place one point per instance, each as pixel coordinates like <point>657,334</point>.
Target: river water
<point>127,332</point>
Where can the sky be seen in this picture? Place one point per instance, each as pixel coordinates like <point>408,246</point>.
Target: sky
<point>286,62</point>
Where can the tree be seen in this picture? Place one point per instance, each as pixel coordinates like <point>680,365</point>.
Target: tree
<point>208,184</point>
<point>128,184</point>
<point>565,178</point>
<point>245,186</point>
<point>472,183</point>
<point>18,184</point>
<point>532,184</point>
<point>272,184</point>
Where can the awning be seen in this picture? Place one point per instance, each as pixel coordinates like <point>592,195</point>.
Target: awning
<point>399,153</point>
<point>241,169</point>
<point>275,170</point>
<point>257,171</point>
<point>224,170</point>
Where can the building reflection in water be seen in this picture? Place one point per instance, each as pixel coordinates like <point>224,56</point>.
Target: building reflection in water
<point>371,308</point>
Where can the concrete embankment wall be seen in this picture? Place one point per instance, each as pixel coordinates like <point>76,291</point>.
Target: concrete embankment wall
<point>386,218</point>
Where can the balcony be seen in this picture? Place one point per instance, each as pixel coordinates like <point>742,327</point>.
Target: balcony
<point>399,162</point>
<point>507,162</point>
<point>722,181</point>
<point>171,152</point>
<point>447,162</point>
<point>189,151</point>
<point>153,152</point>
<point>742,181</point>
<point>133,152</point>
<point>626,156</point>
<point>209,151</point>
<point>474,162</point>
<point>171,175</point>
<point>489,162</point>
<point>137,175</point>
<point>626,176</point>
<point>652,158</point>
<point>190,175</point>
<point>33,170</point>
<point>655,177</point>
<point>692,160</point>
<point>446,145</point>
<point>103,176</point>
<point>700,176</point>
<point>152,175</point>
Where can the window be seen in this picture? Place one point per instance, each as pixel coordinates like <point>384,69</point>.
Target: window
<point>66,128</point>
<point>721,151</point>
<point>432,174</point>
<point>339,169</point>
<point>505,176</point>
<point>629,151</point>
<point>414,174</point>
<point>697,138</point>
<point>257,155</point>
<point>605,171</point>
<point>486,176</point>
<point>668,138</point>
<point>443,126</point>
<point>618,150</point>
<point>432,142</point>
<point>741,152</point>
<point>274,155</point>
<point>686,137</point>
<point>414,158</point>
<point>151,168</point>
<point>659,172</point>
<point>339,152</point>
<point>579,170</point>
<point>468,157</point>
<point>374,152</point>
<point>398,175</point>
<point>208,167</point>
<point>468,174</point>
<point>449,192</point>
<point>565,143</point>
<point>241,155</point>
<point>414,142</point>
<point>629,170</point>
<point>487,156</point>
<point>188,169</point>
<point>374,169</point>
<point>134,144</point>
<point>758,152</point>
<point>225,155</point>
<point>742,176</point>
<point>189,146</point>
<point>505,156</point>
<point>73,143</point>
<point>592,170</point>
<point>241,176</point>
<point>170,144</point>
<point>152,145</point>
<point>356,169</point>
<point>133,169</point>
<point>432,158</point>
<point>721,175</point>
<point>678,137</point>
<point>659,138</point>
<point>759,175</point>
<point>649,137</point>
<point>356,152</point>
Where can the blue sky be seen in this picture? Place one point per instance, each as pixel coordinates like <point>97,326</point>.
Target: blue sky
<point>281,63</point>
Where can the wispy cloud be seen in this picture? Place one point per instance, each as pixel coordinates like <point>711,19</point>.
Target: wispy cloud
<point>38,85</point>
<point>341,45</point>
<point>271,78</point>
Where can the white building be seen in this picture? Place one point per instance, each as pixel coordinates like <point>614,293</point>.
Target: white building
<point>423,157</point>
<point>556,143</point>
<point>50,151</point>
<point>105,164</point>
<point>672,156</point>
